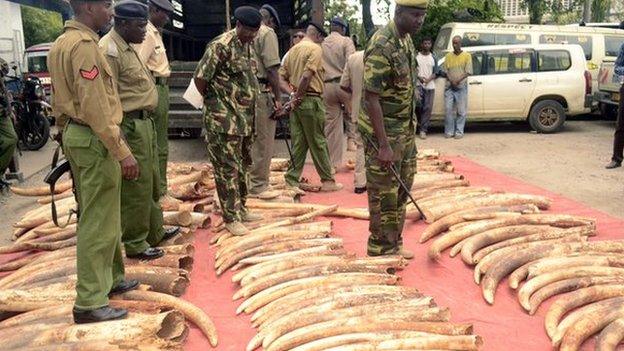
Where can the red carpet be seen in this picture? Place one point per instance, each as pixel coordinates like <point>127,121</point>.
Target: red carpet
<point>504,326</point>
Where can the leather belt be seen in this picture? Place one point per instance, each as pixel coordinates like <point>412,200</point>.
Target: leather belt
<point>137,114</point>
<point>75,121</point>
<point>161,80</point>
<point>313,94</point>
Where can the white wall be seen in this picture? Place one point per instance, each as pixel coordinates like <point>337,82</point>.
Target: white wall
<point>11,32</point>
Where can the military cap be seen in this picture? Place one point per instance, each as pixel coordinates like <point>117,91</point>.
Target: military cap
<point>131,9</point>
<point>318,27</point>
<point>340,22</point>
<point>419,4</point>
<point>164,5</point>
<point>248,16</point>
<point>273,13</point>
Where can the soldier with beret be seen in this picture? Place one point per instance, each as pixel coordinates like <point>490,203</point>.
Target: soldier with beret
<point>267,58</point>
<point>337,48</point>
<point>8,138</point>
<point>226,77</point>
<point>152,52</point>
<point>388,124</point>
<point>141,215</point>
<point>85,97</point>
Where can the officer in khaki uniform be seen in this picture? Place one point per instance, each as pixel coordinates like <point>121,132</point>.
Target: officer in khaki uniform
<point>141,215</point>
<point>303,69</point>
<point>388,122</point>
<point>337,48</point>
<point>227,80</point>
<point>152,52</point>
<point>8,138</point>
<point>86,96</point>
<point>267,58</point>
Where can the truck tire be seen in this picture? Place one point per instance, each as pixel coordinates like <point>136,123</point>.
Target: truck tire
<point>547,116</point>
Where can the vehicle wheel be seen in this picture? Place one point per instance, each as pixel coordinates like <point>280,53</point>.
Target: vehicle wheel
<point>36,133</point>
<point>547,116</point>
<point>608,112</point>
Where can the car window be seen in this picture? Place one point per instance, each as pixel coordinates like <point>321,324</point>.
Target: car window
<point>480,39</point>
<point>585,41</point>
<point>613,45</point>
<point>509,61</point>
<point>477,63</point>
<point>442,42</point>
<point>553,60</point>
<point>37,64</point>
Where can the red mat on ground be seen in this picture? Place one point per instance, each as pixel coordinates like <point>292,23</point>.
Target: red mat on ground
<point>503,326</point>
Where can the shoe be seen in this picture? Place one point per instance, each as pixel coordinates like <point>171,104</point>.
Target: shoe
<point>124,286</point>
<point>351,145</point>
<point>251,217</point>
<point>407,254</point>
<point>101,314</point>
<point>329,186</point>
<point>360,190</point>
<point>613,164</point>
<point>170,233</point>
<point>448,136</point>
<point>266,195</point>
<point>236,228</point>
<point>151,253</point>
<point>297,190</point>
<point>459,136</point>
<point>423,135</point>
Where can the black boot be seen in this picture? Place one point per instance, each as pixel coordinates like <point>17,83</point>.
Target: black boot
<point>613,164</point>
<point>124,286</point>
<point>151,253</point>
<point>170,233</point>
<point>101,314</point>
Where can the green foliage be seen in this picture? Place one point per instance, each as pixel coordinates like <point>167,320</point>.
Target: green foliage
<point>40,26</point>
<point>600,10</point>
<point>346,11</point>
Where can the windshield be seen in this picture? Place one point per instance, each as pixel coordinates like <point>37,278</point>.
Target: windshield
<point>442,42</point>
<point>37,64</point>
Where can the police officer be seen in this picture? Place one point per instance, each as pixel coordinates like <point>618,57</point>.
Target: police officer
<point>85,97</point>
<point>141,215</point>
<point>227,81</point>
<point>267,58</point>
<point>8,138</point>
<point>337,48</point>
<point>388,121</point>
<point>152,52</point>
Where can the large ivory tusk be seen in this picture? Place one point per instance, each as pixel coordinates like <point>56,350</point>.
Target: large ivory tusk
<point>555,263</point>
<point>446,342</point>
<point>42,190</point>
<point>358,213</point>
<point>181,218</point>
<point>299,219</point>
<point>611,336</point>
<point>58,196</point>
<point>583,329</point>
<point>340,342</point>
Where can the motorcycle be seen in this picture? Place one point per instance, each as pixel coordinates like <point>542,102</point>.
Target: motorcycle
<point>30,109</point>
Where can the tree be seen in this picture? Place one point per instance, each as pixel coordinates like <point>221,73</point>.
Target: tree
<point>40,26</point>
<point>537,10</point>
<point>346,11</point>
<point>600,10</point>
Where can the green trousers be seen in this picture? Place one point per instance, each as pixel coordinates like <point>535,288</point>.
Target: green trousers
<point>262,148</point>
<point>8,142</point>
<point>307,124</point>
<point>97,177</point>
<point>141,215</point>
<point>386,199</point>
<point>161,123</point>
<point>230,158</point>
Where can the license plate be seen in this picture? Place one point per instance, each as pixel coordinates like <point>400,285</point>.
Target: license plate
<point>616,96</point>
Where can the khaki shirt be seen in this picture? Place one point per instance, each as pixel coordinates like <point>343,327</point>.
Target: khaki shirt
<point>336,50</point>
<point>307,55</point>
<point>267,50</point>
<point>353,78</point>
<point>152,52</point>
<point>83,86</point>
<point>137,90</point>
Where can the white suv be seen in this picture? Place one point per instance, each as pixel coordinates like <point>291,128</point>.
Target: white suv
<point>539,83</point>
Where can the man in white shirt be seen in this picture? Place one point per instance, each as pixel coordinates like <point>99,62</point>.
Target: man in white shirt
<point>427,70</point>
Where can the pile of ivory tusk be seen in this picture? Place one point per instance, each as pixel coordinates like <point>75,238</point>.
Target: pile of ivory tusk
<point>307,293</point>
<point>543,255</point>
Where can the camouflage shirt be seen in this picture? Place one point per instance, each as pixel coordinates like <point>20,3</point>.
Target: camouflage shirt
<point>229,100</point>
<point>390,70</point>
<point>4,95</point>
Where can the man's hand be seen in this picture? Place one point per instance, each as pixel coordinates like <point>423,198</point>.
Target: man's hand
<point>129,168</point>
<point>386,155</point>
<point>277,106</point>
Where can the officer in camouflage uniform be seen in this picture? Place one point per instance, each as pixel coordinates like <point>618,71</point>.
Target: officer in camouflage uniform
<point>388,121</point>
<point>8,138</point>
<point>227,79</point>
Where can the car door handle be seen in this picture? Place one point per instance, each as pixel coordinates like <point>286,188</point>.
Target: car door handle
<point>475,83</point>
<point>525,80</point>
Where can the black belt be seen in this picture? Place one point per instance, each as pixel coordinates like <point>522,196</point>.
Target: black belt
<point>137,114</point>
<point>263,81</point>
<point>161,80</point>
<point>313,94</point>
<point>333,80</point>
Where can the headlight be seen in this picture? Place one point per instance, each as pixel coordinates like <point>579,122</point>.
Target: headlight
<point>39,92</point>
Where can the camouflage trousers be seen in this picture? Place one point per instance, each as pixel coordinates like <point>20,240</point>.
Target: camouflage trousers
<point>230,158</point>
<point>386,199</point>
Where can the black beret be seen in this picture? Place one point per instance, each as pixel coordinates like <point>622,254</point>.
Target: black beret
<point>273,13</point>
<point>248,16</point>
<point>339,21</point>
<point>131,9</point>
<point>164,5</point>
<point>318,27</point>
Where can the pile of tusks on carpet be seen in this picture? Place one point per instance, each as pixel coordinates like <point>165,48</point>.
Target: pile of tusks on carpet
<point>506,235</point>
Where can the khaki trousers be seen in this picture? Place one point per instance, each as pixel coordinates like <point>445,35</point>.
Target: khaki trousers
<point>262,148</point>
<point>334,127</point>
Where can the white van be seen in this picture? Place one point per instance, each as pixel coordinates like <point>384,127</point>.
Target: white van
<point>597,42</point>
<point>539,83</point>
